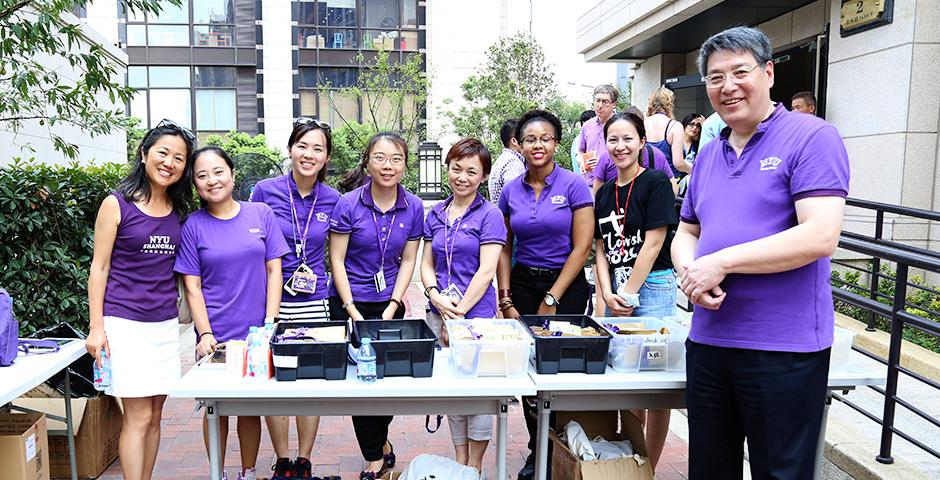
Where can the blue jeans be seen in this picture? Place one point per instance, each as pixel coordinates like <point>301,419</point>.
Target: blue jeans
<point>657,295</point>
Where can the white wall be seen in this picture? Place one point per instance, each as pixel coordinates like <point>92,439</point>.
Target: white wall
<point>278,76</point>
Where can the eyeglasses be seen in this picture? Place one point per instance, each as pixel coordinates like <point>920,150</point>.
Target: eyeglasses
<point>167,123</point>
<point>695,125</point>
<point>544,140</point>
<point>602,101</point>
<point>307,120</point>
<point>381,159</point>
<point>717,80</point>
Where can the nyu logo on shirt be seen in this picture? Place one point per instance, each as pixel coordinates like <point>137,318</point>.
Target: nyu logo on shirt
<point>559,200</point>
<point>159,244</point>
<point>322,217</point>
<point>254,230</point>
<point>769,163</point>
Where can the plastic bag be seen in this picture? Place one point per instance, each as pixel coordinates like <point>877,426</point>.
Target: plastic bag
<point>433,467</point>
<point>80,371</point>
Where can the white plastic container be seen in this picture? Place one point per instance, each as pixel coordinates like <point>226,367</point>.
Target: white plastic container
<point>841,347</point>
<point>637,344</point>
<point>488,347</point>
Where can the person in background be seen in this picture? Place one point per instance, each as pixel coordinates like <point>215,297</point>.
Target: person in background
<point>302,203</point>
<point>663,132</point>
<point>575,144</point>
<point>374,235</point>
<point>463,238</point>
<point>132,289</point>
<point>547,212</point>
<point>592,131</point>
<point>634,213</point>
<point>509,164</point>
<point>803,102</point>
<point>762,215</point>
<point>711,128</point>
<point>230,260</point>
<point>692,123</point>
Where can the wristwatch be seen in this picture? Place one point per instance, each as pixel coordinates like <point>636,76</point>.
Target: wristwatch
<point>550,299</point>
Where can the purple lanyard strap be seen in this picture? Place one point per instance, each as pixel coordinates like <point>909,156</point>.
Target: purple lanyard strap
<point>295,221</point>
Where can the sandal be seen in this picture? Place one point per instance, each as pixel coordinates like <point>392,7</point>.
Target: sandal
<point>389,458</point>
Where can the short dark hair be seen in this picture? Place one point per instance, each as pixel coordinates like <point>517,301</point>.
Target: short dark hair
<point>469,147</point>
<point>738,40</point>
<point>539,116</point>
<point>587,115</point>
<point>216,150</point>
<point>507,131</point>
<point>807,97</point>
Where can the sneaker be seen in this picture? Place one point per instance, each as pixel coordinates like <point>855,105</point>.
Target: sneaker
<point>248,474</point>
<point>283,469</point>
<point>302,469</point>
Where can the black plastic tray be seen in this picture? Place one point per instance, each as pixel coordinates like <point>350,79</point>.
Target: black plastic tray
<point>314,359</point>
<point>569,354</point>
<point>403,348</point>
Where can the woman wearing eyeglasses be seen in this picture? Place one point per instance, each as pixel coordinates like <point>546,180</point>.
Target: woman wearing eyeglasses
<point>132,289</point>
<point>230,260</point>
<point>547,213</point>
<point>302,205</point>
<point>374,235</point>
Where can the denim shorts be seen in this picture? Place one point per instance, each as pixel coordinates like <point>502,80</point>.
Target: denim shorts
<point>657,296</point>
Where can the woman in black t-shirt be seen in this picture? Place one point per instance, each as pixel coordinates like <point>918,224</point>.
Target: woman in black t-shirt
<point>634,213</point>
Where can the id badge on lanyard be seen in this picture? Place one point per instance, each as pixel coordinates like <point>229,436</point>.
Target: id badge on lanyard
<point>379,277</point>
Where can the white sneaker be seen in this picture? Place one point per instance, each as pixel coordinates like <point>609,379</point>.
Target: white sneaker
<point>248,474</point>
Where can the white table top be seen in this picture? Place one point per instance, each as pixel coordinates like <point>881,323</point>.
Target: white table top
<point>210,381</point>
<point>29,371</point>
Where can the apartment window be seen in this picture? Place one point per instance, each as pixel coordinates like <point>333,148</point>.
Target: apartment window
<point>171,13</point>
<point>380,14</point>
<point>328,105</point>
<point>211,22</point>
<point>337,13</point>
<point>200,96</point>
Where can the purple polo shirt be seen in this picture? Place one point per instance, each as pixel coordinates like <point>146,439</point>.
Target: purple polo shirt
<point>229,256</point>
<point>737,200</point>
<point>322,199</point>
<point>542,228</point>
<point>482,223</point>
<point>356,214</point>
<point>592,137</point>
<point>606,170</point>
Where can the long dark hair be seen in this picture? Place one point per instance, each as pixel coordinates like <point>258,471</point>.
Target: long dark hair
<point>302,129</point>
<point>218,151</point>
<point>136,187</point>
<point>637,122</point>
<point>688,120</point>
<point>354,178</point>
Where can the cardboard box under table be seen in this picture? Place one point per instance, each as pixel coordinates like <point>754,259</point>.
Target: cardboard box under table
<point>24,448</point>
<point>565,466</point>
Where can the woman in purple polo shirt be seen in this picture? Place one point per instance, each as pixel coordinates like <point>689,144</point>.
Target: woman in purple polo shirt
<point>463,238</point>
<point>547,212</point>
<point>132,290</point>
<point>634,214</point>
<point>230,259</point>
<point>302,205</point>
<point>374,235</point>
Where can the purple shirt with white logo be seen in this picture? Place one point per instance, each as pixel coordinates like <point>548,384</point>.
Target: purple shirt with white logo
<point>482,223</point>
<point>229,256</point>
<point>356,214</point>
<point>322,199</point>
<point>606,170</point>
<point>542,228</point>
<point>737,200</point>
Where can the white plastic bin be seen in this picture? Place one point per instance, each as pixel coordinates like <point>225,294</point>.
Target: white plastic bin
<point>637,344</point>
<point>841,347</point>
<point>501,348</point>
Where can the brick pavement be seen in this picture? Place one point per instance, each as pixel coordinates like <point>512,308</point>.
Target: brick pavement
<point>183,456</point>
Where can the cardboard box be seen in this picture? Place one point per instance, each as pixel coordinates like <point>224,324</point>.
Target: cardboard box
<point>96,423</point>
<point>565,466</point>
<point>24,448</point>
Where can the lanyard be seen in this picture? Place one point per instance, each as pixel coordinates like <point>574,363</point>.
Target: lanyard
<point>383,246</point>
<point>623,222</point>
<point>449,251</point>
<point>295,222</point>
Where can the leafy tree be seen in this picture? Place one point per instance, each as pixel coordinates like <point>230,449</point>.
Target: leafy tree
<point>135,135</point>
<point>35,39</point>
<point>254,159</point>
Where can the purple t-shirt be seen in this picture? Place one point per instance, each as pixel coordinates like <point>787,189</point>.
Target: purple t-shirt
<point>606,170</point>
<point>481,224</point>
<point>592,137</point>
<point>737,200</point>
<point>321,200</point>
<point>141,285</point>
<point>229,256</point>
<point>542,228</point>
<point>356,214</point>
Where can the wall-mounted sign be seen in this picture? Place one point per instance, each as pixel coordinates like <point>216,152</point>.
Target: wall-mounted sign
<point>860,15</point>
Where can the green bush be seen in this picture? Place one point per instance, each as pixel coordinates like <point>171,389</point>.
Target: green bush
<point>922,298</point>
<point>47,216</point>
<point>349,141</point>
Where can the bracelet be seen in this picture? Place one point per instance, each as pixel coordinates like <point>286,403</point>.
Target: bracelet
<point>207,332</point>
<point>505,306</point>
<point>505,293</point>
<point>397,301</point>
<point>427,291</point>
<point>348,304</point>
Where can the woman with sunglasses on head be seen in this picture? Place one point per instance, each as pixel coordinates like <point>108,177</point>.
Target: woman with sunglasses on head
<point>547,213</point>
<point>463,238</point>
<point>634,270</point>
<point>230,260</point>
<point>374,235</point>
<point>692,123</point>
<point>132,289</point>
<point>302,205</point>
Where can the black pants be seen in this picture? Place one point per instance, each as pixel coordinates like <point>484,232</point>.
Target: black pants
<point>371,431</point>
<point>774,400</point>
<point>528,291</point>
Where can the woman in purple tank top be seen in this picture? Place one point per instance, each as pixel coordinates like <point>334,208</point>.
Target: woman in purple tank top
<point>132,290</point>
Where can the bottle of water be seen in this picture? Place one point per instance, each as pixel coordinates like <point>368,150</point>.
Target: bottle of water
<point>365,365</point>
<point>254,352</point>
<point>102,375</point>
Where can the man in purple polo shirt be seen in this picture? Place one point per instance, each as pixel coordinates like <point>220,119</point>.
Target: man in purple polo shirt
<point>592,141</point>
<point>761,217</point>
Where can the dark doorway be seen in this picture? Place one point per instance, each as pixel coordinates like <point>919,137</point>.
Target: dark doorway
<point>795,71</point>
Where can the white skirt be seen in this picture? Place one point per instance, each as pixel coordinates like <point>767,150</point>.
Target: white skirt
<point>145,356</point>
<point>314,311</point>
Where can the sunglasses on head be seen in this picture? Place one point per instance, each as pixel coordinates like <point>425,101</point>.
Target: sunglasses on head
<point>307,120</point>
<point>177,127</point>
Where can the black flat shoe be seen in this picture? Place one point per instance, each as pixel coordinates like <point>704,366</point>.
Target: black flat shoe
<point>368,476</point>
<point>389,458</point>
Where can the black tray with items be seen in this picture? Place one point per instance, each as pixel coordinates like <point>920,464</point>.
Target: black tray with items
<point>557,352</point>
<point>299,354</point>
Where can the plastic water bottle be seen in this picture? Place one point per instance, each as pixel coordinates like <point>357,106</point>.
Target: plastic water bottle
<point>365,365</point>
<point>102,375</point>
<point>255,352</point>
